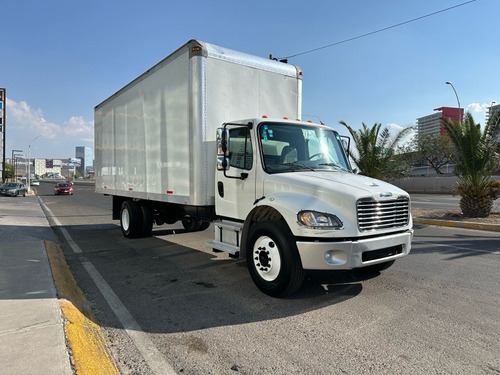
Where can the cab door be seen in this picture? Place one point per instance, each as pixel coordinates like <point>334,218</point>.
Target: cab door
<point>235,179</point>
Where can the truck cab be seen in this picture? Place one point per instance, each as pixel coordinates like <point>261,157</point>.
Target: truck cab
<point>287,201</point>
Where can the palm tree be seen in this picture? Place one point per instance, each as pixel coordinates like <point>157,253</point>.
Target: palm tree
<point>376,150</point>
<point>476,160</point>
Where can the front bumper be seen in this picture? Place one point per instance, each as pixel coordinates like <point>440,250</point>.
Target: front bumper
<point>354,254</point>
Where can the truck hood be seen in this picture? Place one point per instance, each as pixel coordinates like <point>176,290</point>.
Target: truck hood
<point>335,193</point>
<point>333,182</point>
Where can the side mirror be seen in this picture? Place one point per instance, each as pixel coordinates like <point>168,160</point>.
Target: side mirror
<point>222,147</point>
<point>346,144</point>
<point>225,140</point>
<point>222,163</point>
<point>222,141</point>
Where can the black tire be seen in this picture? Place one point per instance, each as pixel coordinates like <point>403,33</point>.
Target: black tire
<point>16,194</point>
<point>147,221</point>
<point>194,225</point>
<point>131,221</point>
<point>204,225</point>
<point>376,267</point>
<point>273,259</point>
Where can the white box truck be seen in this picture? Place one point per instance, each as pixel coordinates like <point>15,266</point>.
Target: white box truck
<point>210,134</point>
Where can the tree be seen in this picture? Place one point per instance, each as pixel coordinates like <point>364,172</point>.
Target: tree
<point>476,159</point>
<point>377,151</point>
<point>436,150</point>
<point>9,170</point>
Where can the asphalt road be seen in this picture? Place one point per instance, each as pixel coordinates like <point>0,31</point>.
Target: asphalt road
<point>196,312</point>
<point>435,201</point>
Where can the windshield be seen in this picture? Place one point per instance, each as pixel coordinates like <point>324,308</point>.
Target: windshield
<point>287,147</point>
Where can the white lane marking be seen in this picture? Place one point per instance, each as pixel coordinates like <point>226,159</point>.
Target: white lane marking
<point>151,354</point>
<point>65,233</point>
<point>153,357</point>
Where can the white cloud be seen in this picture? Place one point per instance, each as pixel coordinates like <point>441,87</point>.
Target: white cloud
<point>395,129</point>
<point>24,124</point>
<point>26,119</point>
<point>478,107</point>
<point>77,126</point>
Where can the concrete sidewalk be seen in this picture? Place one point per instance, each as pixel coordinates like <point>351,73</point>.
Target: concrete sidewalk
<point>32,339</point>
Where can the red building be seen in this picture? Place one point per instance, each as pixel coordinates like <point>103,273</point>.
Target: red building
<point>433,124</point>
<point>456,114</point>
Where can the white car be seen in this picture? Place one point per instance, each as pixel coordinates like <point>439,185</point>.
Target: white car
<point>35,183</point>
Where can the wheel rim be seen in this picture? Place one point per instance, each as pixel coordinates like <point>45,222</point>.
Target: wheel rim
<point>266,258</point>
<point>125,219</point>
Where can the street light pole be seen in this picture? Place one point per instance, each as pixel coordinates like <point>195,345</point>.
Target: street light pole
<point>455,91</point>
<point>14,164</point>
<point>28,178</point>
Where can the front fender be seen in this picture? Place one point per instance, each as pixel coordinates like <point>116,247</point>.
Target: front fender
<point>289,204</point>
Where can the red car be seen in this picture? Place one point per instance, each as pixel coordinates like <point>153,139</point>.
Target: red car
<point>64,188</point>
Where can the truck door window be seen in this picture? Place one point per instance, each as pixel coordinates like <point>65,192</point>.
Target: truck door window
<point>240,148</point>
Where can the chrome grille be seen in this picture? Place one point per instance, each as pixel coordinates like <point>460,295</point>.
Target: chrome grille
<point>386,214</point>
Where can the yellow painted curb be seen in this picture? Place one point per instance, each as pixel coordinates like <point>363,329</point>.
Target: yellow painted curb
<point>459,224</point>
<point>83,335</point>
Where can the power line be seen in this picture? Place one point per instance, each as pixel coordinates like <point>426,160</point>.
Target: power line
<point>378,31</point>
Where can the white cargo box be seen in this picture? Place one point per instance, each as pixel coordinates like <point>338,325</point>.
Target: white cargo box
<point>155,138</point>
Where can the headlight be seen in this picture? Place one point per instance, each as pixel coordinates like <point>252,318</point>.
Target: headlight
<point>319,220</point>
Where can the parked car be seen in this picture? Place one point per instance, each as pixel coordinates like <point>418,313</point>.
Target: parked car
<point>13,189</point>
<point>35,183</point>
<point>64,188</point>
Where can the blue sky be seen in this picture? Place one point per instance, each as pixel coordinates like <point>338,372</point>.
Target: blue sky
<point>60,58</point>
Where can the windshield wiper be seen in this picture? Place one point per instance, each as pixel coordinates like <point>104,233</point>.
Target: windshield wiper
<point>333,165</point>
<point>295,164</point>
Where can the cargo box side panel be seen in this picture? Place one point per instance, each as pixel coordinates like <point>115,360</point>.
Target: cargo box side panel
<point>145,137</point>
<point>104,150</point>
<point>237,92</point>
<point>203,150</point>
<point>175,163</point>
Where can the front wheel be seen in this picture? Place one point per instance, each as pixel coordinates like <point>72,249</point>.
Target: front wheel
<point>273,259</point>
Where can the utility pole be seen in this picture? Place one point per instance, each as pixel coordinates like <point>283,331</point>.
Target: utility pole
<point>3,102</point>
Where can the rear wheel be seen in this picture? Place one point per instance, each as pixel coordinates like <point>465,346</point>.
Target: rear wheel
<point>147,221</point>
<point>194,225</point>
<point>273,259</point>
<point>131,221</point>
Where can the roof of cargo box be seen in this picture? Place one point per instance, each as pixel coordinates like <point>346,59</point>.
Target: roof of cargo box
<point>220,53</point>
<point>246,59</point>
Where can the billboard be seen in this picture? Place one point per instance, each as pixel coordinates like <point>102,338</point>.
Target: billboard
<point>76,161</point>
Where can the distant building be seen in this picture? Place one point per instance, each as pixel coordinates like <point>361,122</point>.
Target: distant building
<point>433,124</point>
<point>493,110</point>
<point>48,167</point>
<point>86,156</point>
